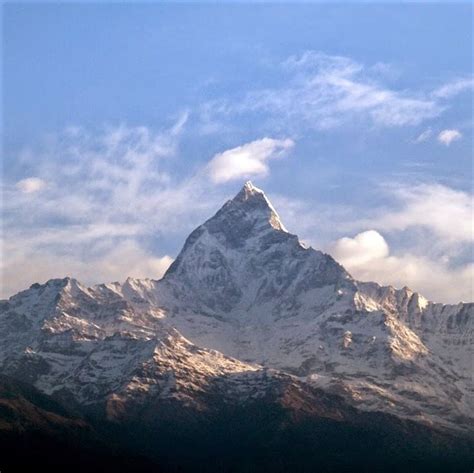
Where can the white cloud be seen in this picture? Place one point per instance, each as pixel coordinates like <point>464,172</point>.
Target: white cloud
<point>105,180</point>
<point>361,249</point>
<point>323,91</point>
<point>446,137</point>
<point>430,227</point>
<point>30,185</point>
<point>446,212</point>
<point>24,265</point>
<point>416,210</point>
<point>108,194</point>
<point>247,160</point>
<point>367,257</point>
<point>423,136</point>
<point>454,87</point>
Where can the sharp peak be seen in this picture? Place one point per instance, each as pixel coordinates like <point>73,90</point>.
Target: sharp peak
<point>250,187</point>
<point>249,190</point>
<point>251,198</point>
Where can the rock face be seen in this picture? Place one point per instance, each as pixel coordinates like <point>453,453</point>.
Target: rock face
<point>246,312</point>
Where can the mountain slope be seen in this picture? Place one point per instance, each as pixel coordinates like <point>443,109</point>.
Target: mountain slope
<point>245,286</point>
<point>90,346</point>
<point>149,393</point>
<point>248,324</point>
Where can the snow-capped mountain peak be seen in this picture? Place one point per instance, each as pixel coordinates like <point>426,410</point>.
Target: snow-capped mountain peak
<point>250,294</point>
<point>243,256</point>
<point>253,199</point>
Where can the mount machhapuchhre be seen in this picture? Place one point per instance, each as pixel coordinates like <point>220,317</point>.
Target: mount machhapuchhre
<point>254,352</point>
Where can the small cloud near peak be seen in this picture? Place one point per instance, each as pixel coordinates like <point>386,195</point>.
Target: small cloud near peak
<point>247,160</point>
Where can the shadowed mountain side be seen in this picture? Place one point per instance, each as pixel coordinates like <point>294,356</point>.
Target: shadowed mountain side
<point>37,432</point>
<point>292,427</point>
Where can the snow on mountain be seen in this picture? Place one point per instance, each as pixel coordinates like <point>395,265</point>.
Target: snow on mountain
<point>254,296</point>
<point>245,286</point>
<point>89,346</point>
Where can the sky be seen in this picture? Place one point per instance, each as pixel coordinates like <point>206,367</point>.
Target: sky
<point>125,126</point>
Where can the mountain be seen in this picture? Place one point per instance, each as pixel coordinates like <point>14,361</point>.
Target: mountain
<point>247,287</point>
<point>252,335</point>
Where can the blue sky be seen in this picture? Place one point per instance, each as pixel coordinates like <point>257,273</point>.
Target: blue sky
<point>125,126</point>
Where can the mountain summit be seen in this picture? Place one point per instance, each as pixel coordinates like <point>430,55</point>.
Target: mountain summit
<point>253,200</point>
<point>243,256</point>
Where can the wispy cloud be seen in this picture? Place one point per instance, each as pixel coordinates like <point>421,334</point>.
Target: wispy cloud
<point>320,92</point>
<point>108,196</point>
<point>446,137</point>
<point>454,87</point>
<point>30,185</point>
<point>323,92</point>
<point>94,261</point>
<point>250,159</point>
<point>446,212</point>
<point>423,136</point>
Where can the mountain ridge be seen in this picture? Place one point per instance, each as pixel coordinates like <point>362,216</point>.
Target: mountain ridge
<point>245,311</point>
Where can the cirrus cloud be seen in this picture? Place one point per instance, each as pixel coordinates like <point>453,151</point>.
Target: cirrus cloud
<point>108,195</point>
<point>323,91</point>
<point>423,136</point>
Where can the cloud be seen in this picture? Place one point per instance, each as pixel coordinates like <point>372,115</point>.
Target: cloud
<point>331,90</point>
<point>361,249</point>
<point>109,179</point>
<point>110,194</point>
<point>446,137</point>
<point>30,185</point>
<point>116,261</point>
<point>367,257</point>
<point>324,91</point>
<point>454,87</point>
<point>446,212</point>
<point>429,225</point>
<point>443,212</point>
<point>250,159</point>
<point>423,136</point>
